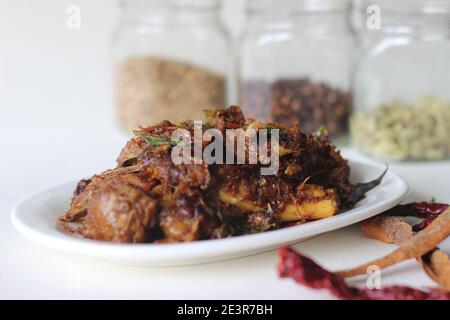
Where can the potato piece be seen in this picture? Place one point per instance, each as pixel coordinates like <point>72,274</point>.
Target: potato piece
<point>317,203</point>
<point>310,210</point>
<point>314,203</point>
<point>240,200</point>
<point>283,151</point>
<point>313,191</point>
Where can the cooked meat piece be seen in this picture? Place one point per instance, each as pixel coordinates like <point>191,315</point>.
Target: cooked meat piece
<point>230,118</point>
<point>314,158</point>
<point>129,154</point>
<point>181,179</point>
<point>330,170</point>
<point>120,212</point>
<point>86,189</point>
<point>180,226</point>
<point>183,219</point>
<point>149,198</point>
<point>260,222</point>
<point>82,184</point>
<point>133,149</point>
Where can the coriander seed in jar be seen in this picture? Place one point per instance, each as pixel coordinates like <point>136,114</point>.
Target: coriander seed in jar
<point>172,59</point>
<point>401,83</point>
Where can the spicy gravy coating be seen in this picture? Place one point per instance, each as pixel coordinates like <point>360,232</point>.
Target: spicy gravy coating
<point>147,198</point>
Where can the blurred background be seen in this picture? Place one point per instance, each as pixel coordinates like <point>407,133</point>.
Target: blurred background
<point>77,76</point>
<point>48,69</point>
<point>57,119</point>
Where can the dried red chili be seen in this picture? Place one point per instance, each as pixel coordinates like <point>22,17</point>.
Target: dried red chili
<point>425,210</point>
<point>306,272</point>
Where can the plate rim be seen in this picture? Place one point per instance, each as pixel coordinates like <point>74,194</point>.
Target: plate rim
<point>204,249</point>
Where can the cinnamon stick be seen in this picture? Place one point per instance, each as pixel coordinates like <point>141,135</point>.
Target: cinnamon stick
<point>423,242</point>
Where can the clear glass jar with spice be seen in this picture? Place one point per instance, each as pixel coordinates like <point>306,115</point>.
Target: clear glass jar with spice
<point>296,62</point>
<point>172,59</point>
<point>402,82</point>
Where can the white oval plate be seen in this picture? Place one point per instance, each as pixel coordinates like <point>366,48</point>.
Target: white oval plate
<point>36,218</point>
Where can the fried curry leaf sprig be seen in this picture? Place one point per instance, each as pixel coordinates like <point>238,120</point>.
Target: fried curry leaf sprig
<point>360,189</point>
<point>155,141</point>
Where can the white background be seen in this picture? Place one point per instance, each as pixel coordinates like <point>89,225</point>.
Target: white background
<point>56,124</point>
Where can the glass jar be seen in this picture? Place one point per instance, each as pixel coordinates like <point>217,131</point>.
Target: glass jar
<point>172,59</point>
<point>295,63</point>
<point>402,82</point>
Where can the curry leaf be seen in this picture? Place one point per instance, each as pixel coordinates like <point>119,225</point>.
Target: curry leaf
<point>160,141</point>
<point>360,189</point>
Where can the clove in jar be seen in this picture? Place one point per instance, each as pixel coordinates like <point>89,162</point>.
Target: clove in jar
<point>311,105</point>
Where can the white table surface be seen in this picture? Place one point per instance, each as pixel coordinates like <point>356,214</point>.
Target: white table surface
<point>56,125</point>
<point>38,155</point>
